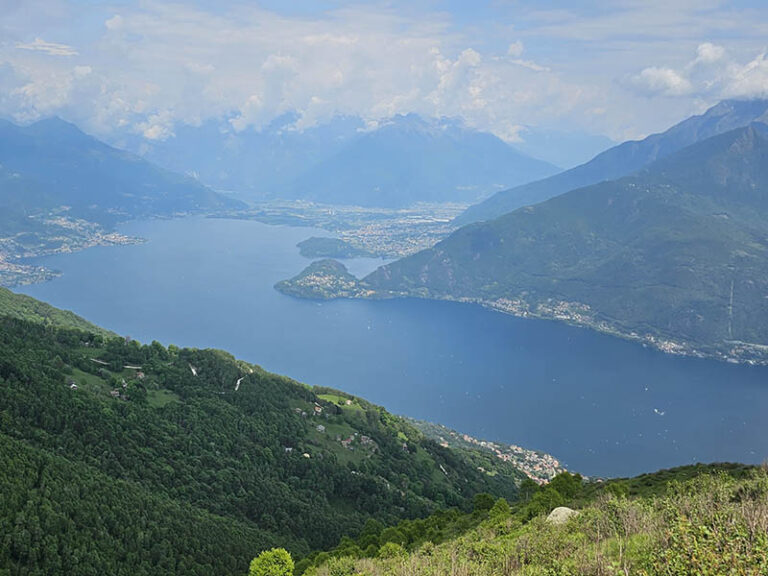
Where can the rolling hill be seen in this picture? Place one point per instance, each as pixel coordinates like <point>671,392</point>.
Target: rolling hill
<point>623,159</point>
<point>704,520</point>
<point>27,308</point>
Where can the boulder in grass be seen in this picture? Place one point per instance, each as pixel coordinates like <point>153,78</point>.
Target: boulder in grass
<point>561,515</point>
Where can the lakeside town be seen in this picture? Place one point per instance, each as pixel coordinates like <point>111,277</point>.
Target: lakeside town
<point>377,232</point>
<point>53,234</point>
<point>373,232</point>
<point>538,466</point>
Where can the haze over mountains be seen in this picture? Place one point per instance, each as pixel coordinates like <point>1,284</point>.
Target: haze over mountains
<point>623,159</point>
<point>52,164</point>
<point>411,160</point>
<point>256,163</point>
<point>405,160</point>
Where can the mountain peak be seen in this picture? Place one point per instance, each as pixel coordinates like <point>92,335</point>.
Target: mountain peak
<point>57,129</point>
<point>754,107</point>
<point>415,123</point>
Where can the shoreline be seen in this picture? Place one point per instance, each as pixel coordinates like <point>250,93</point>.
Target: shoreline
<point>672,347</point>
<point>19,270</point>
<point>320,285</point>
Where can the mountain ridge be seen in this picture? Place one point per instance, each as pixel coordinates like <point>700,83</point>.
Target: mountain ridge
<point>64,166</point>
<point>437,161</point>
<point>623,159</point>
<point>400,161</point>
<point>62,190</point>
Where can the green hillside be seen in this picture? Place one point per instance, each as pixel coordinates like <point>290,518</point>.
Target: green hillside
<point>123,458</point>
<point>26,308</point>
<point>675,255</point>
<point>707,521</point>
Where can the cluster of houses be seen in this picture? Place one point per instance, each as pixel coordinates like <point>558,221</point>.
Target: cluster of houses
<point>362,439</point>
<point>348,443</point>
<point>118,393</point>
<point>538,466</point>
<point>317,410</point>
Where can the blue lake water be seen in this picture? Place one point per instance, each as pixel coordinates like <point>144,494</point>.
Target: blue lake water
<point>589,399</point>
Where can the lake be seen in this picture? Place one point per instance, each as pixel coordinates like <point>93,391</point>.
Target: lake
<point>601,405</point>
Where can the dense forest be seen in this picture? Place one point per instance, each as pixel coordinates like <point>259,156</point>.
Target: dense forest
<point>119,458</point>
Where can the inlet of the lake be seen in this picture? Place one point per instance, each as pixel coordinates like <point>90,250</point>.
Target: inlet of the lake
<point>601,405</point>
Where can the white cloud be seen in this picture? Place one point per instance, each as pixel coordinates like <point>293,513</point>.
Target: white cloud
<point>114,23</point>
<point>158,126</point>
<point>82,71</point>
<point>710,75</point>
<point>51,48</point>
<point>531,65</point>
<point>749,80</point>
<point>516,49</point>
<point>664,81</point>
<point>708,53</point>
<point>152,65</point>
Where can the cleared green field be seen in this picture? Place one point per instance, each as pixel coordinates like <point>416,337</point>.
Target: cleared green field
<point>160,398</point>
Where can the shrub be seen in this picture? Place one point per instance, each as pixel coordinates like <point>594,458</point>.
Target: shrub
<point>275,562</point>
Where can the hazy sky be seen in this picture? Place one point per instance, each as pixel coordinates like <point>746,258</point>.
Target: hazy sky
<point>623,68</point>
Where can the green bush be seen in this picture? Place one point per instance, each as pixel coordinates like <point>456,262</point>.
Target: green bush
<point>392,550</point>
<point>275,562</point>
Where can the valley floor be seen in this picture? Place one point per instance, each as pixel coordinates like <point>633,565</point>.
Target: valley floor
<point>381,232</point>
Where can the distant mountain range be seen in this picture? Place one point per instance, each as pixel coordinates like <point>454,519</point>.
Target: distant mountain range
<point>623,159</point>
<point>52,164</point>
<point>258,164</point>
<point>405,160</point>
<point>410,160</point>
<point>675,255</point>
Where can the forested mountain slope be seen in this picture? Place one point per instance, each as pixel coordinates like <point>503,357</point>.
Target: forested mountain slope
<point>27,308</point>
<point>123,458</point>
<point>62,191</point>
